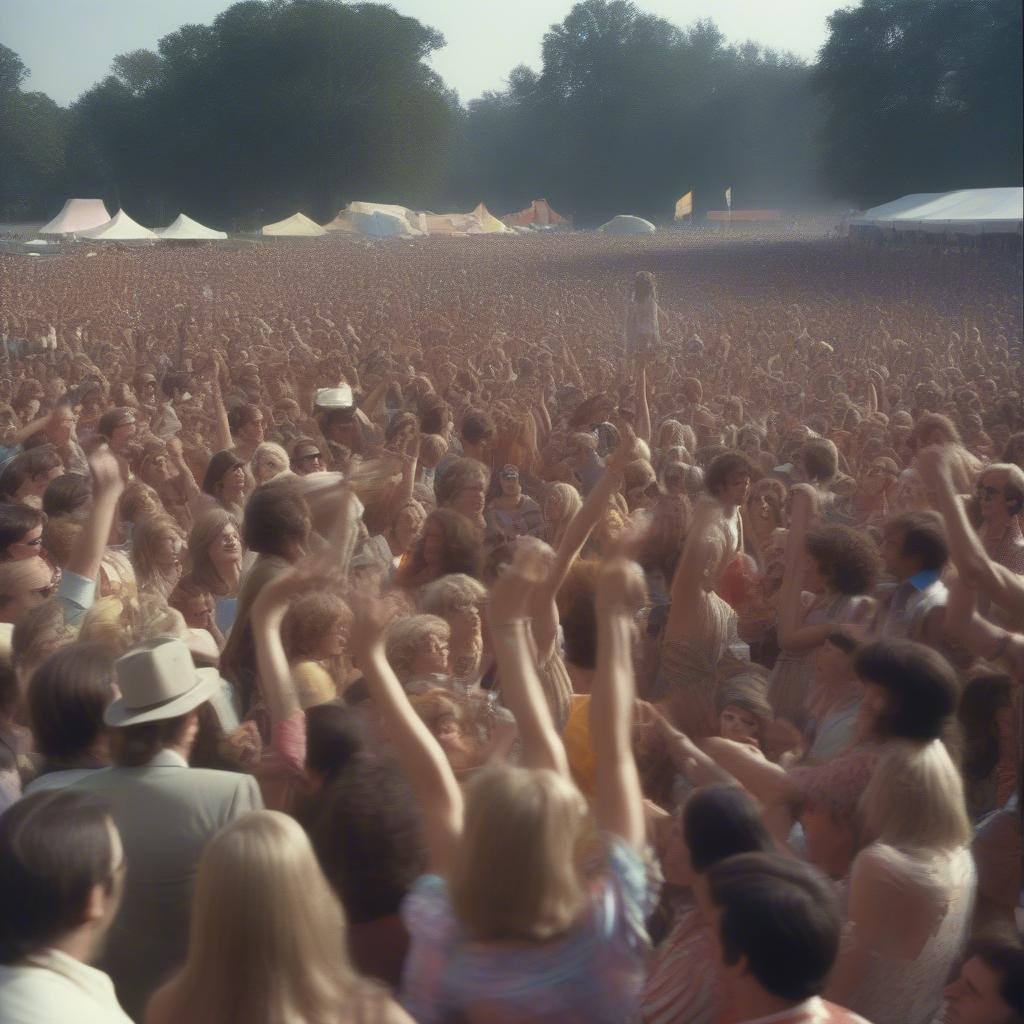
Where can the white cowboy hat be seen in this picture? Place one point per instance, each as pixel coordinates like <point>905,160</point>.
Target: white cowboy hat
<point>158,680</point>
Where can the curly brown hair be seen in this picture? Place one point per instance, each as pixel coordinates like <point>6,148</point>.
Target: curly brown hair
<point>847,560</point>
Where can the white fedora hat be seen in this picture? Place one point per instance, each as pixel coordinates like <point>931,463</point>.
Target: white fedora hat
<point>158,680</point>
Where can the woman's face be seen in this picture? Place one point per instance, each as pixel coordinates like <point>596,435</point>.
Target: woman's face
<point>510,487</point>
<point>168,549</point>
<point>992,498</point>
<point>552,508</point>
<point>27,546</point>
<point>873,704</point>
<point>878,478</point>
<point>336,637</point>
<point>470,500</point>
<point>158,469</point>
<point>433,544</point>
<point>268,465</point>
<point>227,548</point>
<point>736,723</point>
<point>432,656</point>
<point>233,482</point>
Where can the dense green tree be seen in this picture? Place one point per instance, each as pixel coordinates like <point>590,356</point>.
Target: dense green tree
<point>32,144</point>
<point>922,96</point>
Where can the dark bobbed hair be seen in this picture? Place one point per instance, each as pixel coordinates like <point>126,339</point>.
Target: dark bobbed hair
<point>924,538</point>
<point>1006,959</point>
<point>477,425</point>
<point>819,460</point>
<point>847,559</point>
<point>722,821</point>
<point>55,847</point>
<point>366,837</point>
<point>922,688</point>
<point>982,698</point>
<point>723,466</point>
<point>219,466</point>
<point>67,696</point>
<point>26,465</point>
<point>462,553</point>
<point>275,516</point>
<point>334,735</point>
<point>782,917</point>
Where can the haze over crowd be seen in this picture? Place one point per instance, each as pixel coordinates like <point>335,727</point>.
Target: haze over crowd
<point>278,106</point>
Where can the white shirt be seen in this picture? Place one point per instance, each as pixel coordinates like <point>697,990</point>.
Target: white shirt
<point>51,987</point>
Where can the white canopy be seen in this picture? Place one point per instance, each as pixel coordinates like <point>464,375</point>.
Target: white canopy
<point>975,211</point>
<point>77,215</point>
<point>120,228</point>
<point>185,229</point>
<point>626,224</point>
<point>379,220</point>
<point>298,225</point>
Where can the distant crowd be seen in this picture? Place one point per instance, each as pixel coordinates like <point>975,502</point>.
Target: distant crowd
<point>557,629</point>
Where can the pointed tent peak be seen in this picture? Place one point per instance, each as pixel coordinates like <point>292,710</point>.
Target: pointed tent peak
<point>489,224</point>
<point>77,215</point>
<point>537,214</point>
<point>186,229</point>
<point>627,224</point>
<point>120,228</point>
<point>298,225</point>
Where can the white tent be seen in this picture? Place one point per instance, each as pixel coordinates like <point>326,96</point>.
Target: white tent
<point>976,211</point>
<point>625,224</point>
<point>185,229</point>
<point>379,220</point>
<point>298,225</point>
<point>77,215</point>
<point>120,228</point>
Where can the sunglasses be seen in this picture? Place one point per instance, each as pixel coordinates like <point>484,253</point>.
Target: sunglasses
<point>989,493</point>
<point>311,457</point>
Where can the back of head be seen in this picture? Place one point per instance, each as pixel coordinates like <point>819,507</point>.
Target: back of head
<point>1006,960</point>
<point>924,538</point>
<point>275,515</point>
<point>921,688</point>
<point>781,918</point>
<point>521,826</point>
<point>67,696</point>
<point>334,735</point>
<point>261,894</point>
<point>55,847</point>
<point>477,426</point>
<point>819,460</point>
<point>722,821</point>
<point>365,831</point>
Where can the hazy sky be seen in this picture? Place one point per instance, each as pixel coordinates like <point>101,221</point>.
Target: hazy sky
<point>68,44</point>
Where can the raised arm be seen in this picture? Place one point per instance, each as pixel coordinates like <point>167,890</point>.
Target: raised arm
<point>507,614</point>
<point>222,432</point>
<point>177,458</point>
<point>1005,587</point>
<point>91,543</point>
<point>643,409</point>
<point>618,798</point>
<point>268,612</point>
<point>420,755</point>
<point>545,611</point>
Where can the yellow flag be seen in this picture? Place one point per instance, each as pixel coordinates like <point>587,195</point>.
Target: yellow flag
<point>684,206</point>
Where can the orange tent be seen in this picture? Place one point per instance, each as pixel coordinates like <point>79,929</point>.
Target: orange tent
<point>537,214</point>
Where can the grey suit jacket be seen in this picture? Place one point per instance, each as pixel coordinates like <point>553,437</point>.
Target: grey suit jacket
<point>166,813</point>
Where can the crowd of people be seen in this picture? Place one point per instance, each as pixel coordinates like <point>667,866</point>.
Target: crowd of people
<point>545,629</point>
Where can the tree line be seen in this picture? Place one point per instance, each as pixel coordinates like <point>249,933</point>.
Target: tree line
<point>282,105</point>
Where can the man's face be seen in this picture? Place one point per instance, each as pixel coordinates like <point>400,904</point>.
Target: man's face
<point>253,430</point>
<point>62,425</point>
<point>974,997</point>
<point>31,586</point>
<point>736,487</point>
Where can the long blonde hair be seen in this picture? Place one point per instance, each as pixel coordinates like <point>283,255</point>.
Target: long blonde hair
<point>525,827</point>
<point>262,901</point>
<point>915,800</point>
<point>145,537</point>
